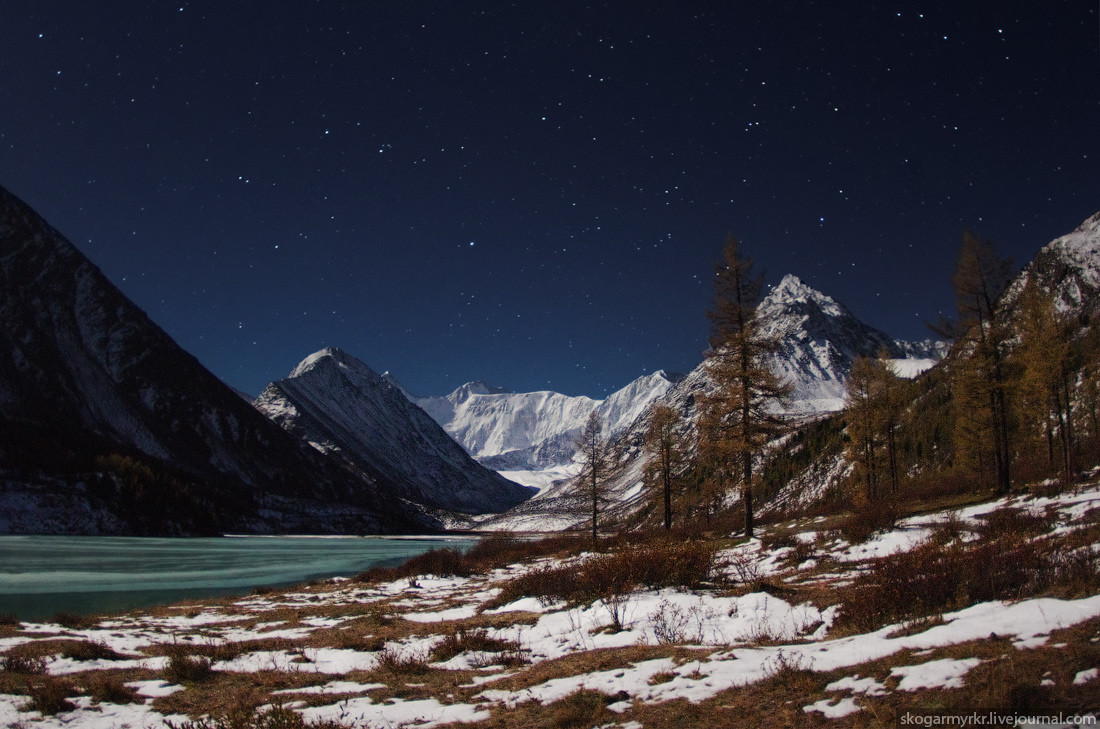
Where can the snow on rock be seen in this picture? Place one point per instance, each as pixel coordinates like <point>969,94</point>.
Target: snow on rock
<point>532,433</point>
<point>340,405</point>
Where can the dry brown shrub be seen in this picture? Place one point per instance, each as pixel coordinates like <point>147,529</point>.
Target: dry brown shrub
<point>23,664</point>
<point>392,661</point>
<point>655,565</point>
<point>88,650</point>
<point>184,669</point>
<point>871,517</point>
<point>73,621</point>
<point>49,695</point>
<point>472,640</point>
<point>105,687</point>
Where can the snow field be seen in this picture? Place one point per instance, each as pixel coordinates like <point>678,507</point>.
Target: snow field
<point>717,641</point>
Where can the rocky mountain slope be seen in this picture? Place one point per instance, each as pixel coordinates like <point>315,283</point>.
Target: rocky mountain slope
<point>341,406</point>
<point>819,340</point>
<point>108,426</point>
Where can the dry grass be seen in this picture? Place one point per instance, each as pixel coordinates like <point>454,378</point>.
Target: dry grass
<point>479,641</point>
<point>656,565</point>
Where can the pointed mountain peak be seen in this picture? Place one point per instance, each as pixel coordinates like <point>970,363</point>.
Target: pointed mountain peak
<point>332,357</point>
<point>793,293</point>
<point>478,387</point>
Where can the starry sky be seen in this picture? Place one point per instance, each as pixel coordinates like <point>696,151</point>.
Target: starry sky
<point>535,194</point>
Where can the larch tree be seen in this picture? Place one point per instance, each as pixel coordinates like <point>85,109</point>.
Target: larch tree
<point>596,463</point>
<point>664,446</point>
<point>1045,399</point>
<point>864,438</point>
<point>741,414</point>
<point>979,280</point>
<point>873,411</point>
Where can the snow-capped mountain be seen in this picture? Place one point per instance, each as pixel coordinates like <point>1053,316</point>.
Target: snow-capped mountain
<point>108,426</point>
<point>1068,268</point>
<point>819,339</point>
<point>340,405</point>
<point>530,436</point>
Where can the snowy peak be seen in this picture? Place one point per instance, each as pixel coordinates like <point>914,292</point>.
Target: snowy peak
<point>534,430</point>
<point>1068,268</point>
<point>477,387</point>
<point>792,294</point>
<point>340,405</point>
<point>819,339</point>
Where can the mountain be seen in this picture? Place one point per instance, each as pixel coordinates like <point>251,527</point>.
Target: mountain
<point>1068,268</point>
<point>341,406</point>
<point>108,426</point>
<point>819,339</point>
<point>530,436</point>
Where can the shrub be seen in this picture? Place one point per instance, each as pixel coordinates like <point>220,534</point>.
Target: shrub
<point>87,650</point>
<point>105,687</point>
<point>274,717</point>
<point>1008,522</point>
<point>72,621</point>
<point>187,669</point>
<point>31,665</point>
<point>662,564</point>
<point>933,578</point>
<point>489,553</point>
<point>864,522</point>
<point>396,662</point>
<point>584,708</point>
<point>471,640</point>
<point>49,695</point>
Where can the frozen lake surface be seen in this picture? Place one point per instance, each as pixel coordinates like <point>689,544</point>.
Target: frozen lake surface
<point>44,575</point>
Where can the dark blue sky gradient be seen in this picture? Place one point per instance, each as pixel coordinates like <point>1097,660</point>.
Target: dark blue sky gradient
<point>535,194</point>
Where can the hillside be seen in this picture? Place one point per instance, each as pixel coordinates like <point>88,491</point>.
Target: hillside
<point>994,604</point>
<point>108,426</point>
<point>341,406</point>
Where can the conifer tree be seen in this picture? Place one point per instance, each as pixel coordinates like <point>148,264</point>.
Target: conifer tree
<point>863,425</point>
<point>1045,396</point>
<point>664,445</point>
<point>740,415</point>
<point>873,411</point>
<point>596,462</point>
<point>979,280</point>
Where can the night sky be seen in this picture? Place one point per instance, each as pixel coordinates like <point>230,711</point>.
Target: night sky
<point>534,194</point>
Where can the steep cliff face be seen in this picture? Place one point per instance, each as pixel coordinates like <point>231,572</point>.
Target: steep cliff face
<point>340,405</point>
<point>98,407</point>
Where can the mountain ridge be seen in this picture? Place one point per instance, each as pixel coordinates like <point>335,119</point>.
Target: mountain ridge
<point>106,424</point>
<point>341,406</point>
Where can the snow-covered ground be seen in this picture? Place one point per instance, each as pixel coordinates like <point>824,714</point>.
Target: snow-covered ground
<point>689,645</point>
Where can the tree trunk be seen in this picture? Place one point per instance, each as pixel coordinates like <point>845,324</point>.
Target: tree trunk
<point>668,497</point>
<point>747,494</point>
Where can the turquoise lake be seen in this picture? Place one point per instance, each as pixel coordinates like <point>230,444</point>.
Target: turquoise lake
<point>41,576</point>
